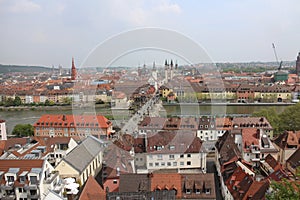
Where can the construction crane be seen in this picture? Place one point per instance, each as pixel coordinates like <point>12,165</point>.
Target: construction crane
<point>280,64</point>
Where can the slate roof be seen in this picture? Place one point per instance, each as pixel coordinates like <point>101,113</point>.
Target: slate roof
<point>134,182</point>
<point>174,142</point>
<point>84,153</point>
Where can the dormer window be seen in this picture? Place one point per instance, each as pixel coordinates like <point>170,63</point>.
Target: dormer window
<point>188,191</point>
<point>10,179</point>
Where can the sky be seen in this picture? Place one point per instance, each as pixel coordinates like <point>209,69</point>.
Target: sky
<point>43,32</point>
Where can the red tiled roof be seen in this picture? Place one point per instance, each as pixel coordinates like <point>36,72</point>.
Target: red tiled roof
<point>91,121</point>
<point>249,137</point>
<point>163,181</point>
<point>92,190</point>
<point>22,164</point>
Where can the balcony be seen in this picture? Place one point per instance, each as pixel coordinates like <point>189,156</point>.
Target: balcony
<point>30,187</point>
<point>8,197</point>
<point>255,159</point>
<point>50,178</point>
<point>7,186</point>
<point>255,151</point>
<point>58,188</point>
<point>33,194</point>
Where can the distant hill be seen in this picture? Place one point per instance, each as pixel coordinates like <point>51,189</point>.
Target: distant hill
<point>19,68</point>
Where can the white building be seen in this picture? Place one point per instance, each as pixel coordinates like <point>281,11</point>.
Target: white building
<point>170,150</point>
<point>28,179</point>
<point>3,135</point>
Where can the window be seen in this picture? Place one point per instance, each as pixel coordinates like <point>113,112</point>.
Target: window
<point>156,164</point>
<point>150,164</point>
<point>181,163</point>
<point>189,163</point>
<point>197,191</point>
<point>174,163</point>
<point>10,179</point>
<point>159,157</point>
<point>33,179</point>
<point>163,164</point>
<point>172,147</point>
<point>171,157</point>
<point>115,181</point>
<point>188,191</point>
<point>22,179</point>
<point>21,190</point>
<point>189,155</point>
<point>182,156</point>
<point>169,163</point>
<point>150,156</point>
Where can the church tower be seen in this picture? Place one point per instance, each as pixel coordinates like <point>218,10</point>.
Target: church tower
<point>171,72</point>
<point>298,64</point>
<point>73,70</point>
<point>154,76</point>
<point>166,71</point>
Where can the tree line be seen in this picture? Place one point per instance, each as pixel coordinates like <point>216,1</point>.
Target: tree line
<point>288,120</point>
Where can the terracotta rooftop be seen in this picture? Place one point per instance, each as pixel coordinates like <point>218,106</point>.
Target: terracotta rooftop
<point>92,190</point>
<point>167,181</point>
<point>91,121</point>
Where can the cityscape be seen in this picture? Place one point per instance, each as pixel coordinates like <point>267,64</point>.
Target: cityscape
<point>147,114</point>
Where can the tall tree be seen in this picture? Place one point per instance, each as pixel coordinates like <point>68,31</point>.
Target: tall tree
<point>17,101</point>
<point>23,130</point>
<point>285,190</point>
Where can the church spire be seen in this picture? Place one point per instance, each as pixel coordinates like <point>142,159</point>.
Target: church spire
<point>73,70</point>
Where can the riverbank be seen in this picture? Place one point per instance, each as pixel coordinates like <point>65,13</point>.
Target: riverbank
<point>42,108</point>
<point>228,104</point>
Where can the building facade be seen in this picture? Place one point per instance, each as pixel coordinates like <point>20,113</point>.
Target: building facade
<point>78,126</point>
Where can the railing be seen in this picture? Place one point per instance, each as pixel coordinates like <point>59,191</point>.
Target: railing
<point>51,178</point>
<point>255,159</point>
<point>8,197</point>
<point>255,151</point>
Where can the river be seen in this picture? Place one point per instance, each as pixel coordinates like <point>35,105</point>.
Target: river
<point>31,116</point>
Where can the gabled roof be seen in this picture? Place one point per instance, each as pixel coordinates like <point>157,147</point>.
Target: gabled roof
<point>227,148</point>
<point>117,161</point>
<point>257,190</point>
<point>166,181</point>
<point>288,139</point>
<point>174,142</point>
<point>92,190</point>
<point>294,159</point>
<point>21,164</point>
<point>88,121</point>
<point>82,155</point>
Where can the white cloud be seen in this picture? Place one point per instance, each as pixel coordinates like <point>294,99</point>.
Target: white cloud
<point>25,6</point>
<point>168,7</point>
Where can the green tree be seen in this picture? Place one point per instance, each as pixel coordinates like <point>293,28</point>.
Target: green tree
<point>290,118</point>
<point>17,101</point>
<point>272,116</point>
<point>47,102</point>
<point>9,102</point>
<point>67,101</point>
<point>285,189</point>
<point>22,130</point>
